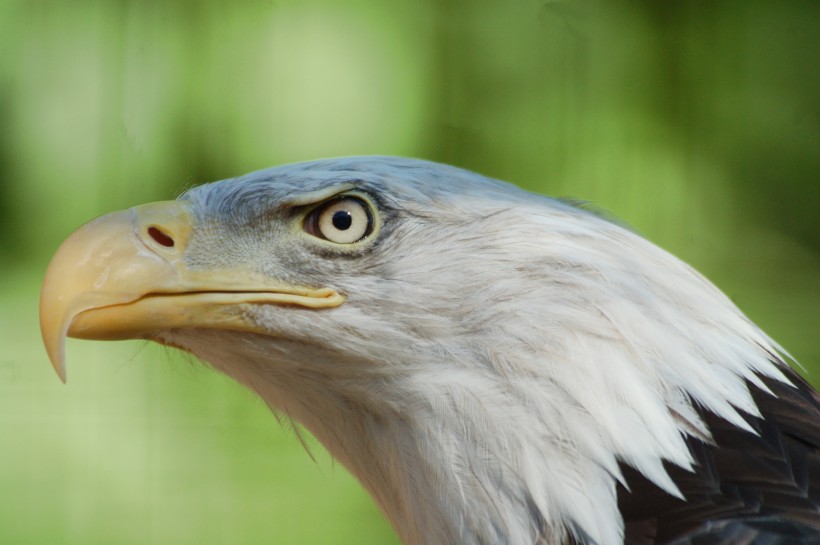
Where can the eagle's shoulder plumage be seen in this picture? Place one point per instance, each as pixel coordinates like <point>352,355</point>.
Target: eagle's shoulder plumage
<point>752,487</point>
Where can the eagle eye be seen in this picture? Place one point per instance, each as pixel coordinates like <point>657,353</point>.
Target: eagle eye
<point>344,220</point>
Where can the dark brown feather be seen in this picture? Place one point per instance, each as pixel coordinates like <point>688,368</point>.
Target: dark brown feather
<point>746,489</point>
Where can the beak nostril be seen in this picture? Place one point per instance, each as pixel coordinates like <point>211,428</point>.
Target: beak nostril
<point>160,237</point>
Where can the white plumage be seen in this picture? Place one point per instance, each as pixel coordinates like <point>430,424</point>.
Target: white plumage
<point>500,358</point>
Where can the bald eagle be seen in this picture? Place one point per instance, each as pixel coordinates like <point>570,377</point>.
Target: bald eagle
<point>494,366</point>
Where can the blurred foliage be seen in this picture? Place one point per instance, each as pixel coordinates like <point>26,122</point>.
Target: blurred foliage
<point>698,123</point>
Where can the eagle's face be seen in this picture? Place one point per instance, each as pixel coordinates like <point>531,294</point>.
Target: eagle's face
<point>483,359</point>
<point>397,267</point>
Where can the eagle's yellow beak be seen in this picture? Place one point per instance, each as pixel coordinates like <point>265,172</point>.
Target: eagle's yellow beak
<point>124,276</point>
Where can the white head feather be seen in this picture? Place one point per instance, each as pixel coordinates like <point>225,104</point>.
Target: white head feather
<point>498,356</point>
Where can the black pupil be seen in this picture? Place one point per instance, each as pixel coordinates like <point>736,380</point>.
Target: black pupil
<point>342,220</point>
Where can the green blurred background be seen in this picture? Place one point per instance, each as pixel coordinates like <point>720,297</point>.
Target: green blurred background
<point>695,122</point>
